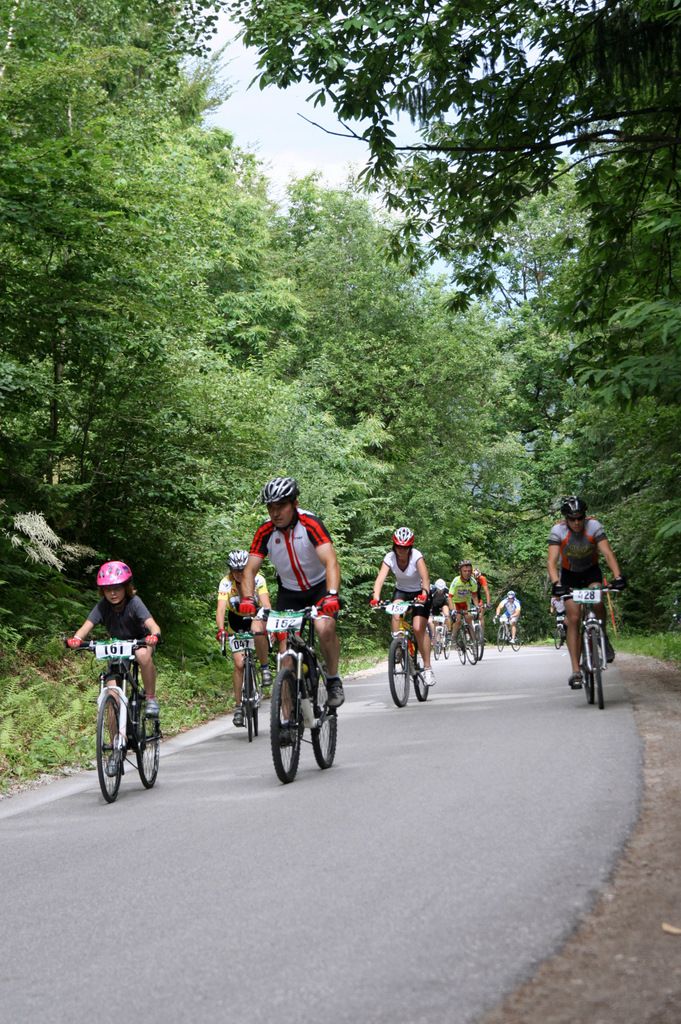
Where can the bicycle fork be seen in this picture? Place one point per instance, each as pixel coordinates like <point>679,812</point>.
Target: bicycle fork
<point>121,739</point>
<point>593,625</point>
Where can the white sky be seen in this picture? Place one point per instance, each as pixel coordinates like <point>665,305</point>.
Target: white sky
<point>266,122</point>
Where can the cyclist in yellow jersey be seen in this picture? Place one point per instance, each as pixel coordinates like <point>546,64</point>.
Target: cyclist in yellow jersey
<point>229,596</point>
<point>464,593</point>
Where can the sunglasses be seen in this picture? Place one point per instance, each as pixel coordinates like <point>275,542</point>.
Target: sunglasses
<point>576,519</point>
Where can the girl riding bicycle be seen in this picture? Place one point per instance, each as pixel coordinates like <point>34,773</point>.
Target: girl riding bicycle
<point>126,617</point>
<point>412,584</point>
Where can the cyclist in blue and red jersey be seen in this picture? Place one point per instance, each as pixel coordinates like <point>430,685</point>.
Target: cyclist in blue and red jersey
<point>575,546</point>
<point>302,553</point>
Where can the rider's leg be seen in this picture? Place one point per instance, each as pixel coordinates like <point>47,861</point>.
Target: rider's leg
<point>574,640</point>
<point>422,638</point>
<point>329,643</point>
<point>261,645</point>
<point>147,670</point>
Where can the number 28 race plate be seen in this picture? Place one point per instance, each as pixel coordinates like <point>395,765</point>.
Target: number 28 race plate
<point>592,596</point>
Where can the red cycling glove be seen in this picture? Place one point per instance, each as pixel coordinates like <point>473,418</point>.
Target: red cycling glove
<point>151,639</point>
<point>374,602</point>
<point>74,642</point>
<point>329,605</point>
<point>247,606</point>
<point>421,598</point>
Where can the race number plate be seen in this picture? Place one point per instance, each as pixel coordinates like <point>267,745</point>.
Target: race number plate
<point>282,623</point>
<point>115,649</point>
<point>587,596</point>
<point>237,643</point>
<point>397,607</point>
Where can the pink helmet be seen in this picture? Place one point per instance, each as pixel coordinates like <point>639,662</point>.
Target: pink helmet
<point>112,573</point>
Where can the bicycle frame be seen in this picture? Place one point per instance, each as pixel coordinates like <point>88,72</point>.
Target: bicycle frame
<point>300,650</point>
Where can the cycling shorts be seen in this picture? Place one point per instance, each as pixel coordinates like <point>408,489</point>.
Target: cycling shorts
<point>295,600</point>
<point>575,580</point>
<point>411,595</point>
<point>238,623</point>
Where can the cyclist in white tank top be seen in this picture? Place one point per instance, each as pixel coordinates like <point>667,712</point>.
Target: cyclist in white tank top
<point>408,566</point>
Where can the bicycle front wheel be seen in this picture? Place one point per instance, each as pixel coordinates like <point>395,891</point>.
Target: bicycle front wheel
<point>480,637</point>
<point>501,639</point>
<point>437,647</point>
<point>324,735</point>
<point>461,645</point>
<point>471,648</point>
<point>447,644</point>
<point>109,757</point>
<point>248,699</point>
<point>286,725</point>
<point>515,644</point>
<point>148,750</point>
<point>420,686</point>
<point>595,641</point>
<point>398,671</point>
<point>558,638</point>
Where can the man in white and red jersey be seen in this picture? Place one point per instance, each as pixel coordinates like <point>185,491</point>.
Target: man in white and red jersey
<point>575,546</point>
<point>302,552</point>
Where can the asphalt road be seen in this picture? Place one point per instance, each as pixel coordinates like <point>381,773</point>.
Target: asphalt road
<point>451,848</point>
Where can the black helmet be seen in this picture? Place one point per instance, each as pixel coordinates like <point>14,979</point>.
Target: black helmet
<point>282,488</point>
<point>237,559</point>
<point>573,506</point>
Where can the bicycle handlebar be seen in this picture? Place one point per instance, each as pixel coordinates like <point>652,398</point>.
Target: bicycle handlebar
<point>90,645</point>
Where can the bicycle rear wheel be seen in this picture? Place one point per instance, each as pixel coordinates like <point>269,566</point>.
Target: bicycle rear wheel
<point>286,725</point>
<point>148,749</point>
<point>324,736</point>
<point>398,671</point>
<point>109,758</point>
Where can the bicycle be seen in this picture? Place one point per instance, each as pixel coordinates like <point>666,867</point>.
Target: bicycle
<point>504,638</point>
<point>442,640</point>
<point>466,642</point>
<point>479,632</point>
<point>559,633</point>
<point>594,656</point>
<point>675,623</point>
<point>122,724</point>
<point>251,690</point>
<point>405,663</point>
<point>298,699</point>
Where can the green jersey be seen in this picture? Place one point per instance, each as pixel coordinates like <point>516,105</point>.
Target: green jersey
<point>463,591</point>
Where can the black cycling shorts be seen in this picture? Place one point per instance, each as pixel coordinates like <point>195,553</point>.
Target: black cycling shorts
<point>409,595</point>
<point>577,580</point>
<point>239,623</point>
<point>295,600</point>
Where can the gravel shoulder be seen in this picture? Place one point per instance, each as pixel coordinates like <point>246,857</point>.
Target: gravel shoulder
<point>621,966</point>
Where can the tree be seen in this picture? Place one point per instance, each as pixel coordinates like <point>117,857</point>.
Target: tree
<point>508,100</point>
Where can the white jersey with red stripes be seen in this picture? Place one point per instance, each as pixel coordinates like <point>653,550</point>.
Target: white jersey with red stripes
<point>293,551</point>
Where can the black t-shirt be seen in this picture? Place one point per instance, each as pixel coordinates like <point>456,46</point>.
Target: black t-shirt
<point>439,600</point>
<point>124,622</point>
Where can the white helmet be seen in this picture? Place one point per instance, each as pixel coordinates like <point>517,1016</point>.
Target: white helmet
<point>511,593</point>
<point>237,559</point>
<point>403,537</point>
<point>440,585</point>
<point>282,488</point>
